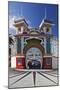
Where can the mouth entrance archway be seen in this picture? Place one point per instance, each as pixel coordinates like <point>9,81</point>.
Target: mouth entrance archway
<point>33,58</point>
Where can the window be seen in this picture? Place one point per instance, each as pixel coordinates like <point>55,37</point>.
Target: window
<point>19,61</point>
<point>40,41</point>
<point>47,30</point>
<point>18,45</point>
<point>48,61</point>
<point>22,29</point>
<point>48,46</point>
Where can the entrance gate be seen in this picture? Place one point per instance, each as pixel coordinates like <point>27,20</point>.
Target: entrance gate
<point>33,58</point>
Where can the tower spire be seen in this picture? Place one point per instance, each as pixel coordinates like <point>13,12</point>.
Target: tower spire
<point>45,14</point>
<point>21,12</point>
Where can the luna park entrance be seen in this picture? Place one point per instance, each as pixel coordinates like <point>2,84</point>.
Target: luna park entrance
<point>33,58</point>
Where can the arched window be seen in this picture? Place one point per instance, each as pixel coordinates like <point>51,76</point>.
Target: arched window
<point>48,46</point>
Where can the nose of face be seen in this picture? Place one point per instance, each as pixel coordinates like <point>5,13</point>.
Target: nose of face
<point>33,56</point>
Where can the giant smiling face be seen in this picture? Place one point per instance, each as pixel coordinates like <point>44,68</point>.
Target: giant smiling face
<point>33,54</point>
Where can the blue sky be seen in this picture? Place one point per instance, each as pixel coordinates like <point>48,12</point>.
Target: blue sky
<point>33,14</point>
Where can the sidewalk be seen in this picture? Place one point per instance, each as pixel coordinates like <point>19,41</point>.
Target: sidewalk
<point>34,70</point>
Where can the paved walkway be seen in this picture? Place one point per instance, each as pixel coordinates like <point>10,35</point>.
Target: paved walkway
<point>32,78</point>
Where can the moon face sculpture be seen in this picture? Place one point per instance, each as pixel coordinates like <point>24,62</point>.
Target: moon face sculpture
<point>33,58</point>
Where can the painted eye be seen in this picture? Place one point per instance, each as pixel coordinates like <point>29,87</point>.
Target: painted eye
<point>31,55</point>
<point>36,54</point>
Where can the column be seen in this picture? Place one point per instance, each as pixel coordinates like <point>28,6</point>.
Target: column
<point>45,43</point>
<point>22,44</point>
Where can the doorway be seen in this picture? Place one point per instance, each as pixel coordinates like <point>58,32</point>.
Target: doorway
<point>33,58</point>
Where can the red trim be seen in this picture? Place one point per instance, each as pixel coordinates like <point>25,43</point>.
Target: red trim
<point>22,65</point>
<point>45,65</point>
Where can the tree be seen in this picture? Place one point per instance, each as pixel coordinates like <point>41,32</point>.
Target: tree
<point>11,42</point>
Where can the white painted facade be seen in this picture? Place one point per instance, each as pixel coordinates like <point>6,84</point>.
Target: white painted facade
<point>55,62</point>
<point>55,53</point>
<point>13,54</point>
<point>13,62</point>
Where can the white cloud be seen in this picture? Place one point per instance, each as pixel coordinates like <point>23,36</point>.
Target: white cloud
<point>12,29</point>
<point>11,22</point>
